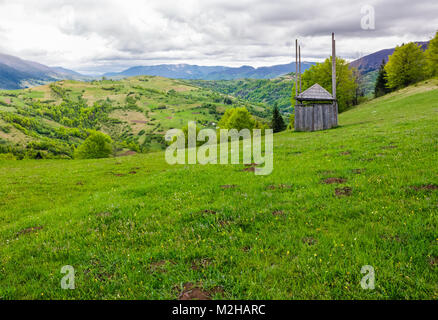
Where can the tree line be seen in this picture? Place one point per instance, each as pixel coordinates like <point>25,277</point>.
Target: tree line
<point>408,65</point>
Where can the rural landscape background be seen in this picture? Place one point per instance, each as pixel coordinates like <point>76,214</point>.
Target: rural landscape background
<point>84,181</point>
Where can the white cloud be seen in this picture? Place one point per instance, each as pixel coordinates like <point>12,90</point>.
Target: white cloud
<point>104,35</point>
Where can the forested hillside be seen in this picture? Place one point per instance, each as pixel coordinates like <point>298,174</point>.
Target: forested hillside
<point>269,91</point>
<point>51,120</point>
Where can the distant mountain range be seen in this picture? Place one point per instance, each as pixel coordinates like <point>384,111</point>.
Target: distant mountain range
<point>194,72</point>
<point>373,61</point>
<point>16,73</point>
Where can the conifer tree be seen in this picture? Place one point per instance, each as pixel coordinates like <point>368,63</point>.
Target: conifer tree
<point>278,124</point>
<point>381,87</point>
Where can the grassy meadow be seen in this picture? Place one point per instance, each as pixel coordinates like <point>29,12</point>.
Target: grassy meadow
<point>365,193</point>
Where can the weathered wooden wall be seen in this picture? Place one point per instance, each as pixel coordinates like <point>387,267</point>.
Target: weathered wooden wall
<point>316,117</point>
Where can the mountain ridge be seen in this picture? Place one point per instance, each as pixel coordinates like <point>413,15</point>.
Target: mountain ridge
<point>372,61</point>
<point>196,72</point>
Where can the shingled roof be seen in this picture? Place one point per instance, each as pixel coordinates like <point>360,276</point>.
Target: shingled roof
<point>315,93</point>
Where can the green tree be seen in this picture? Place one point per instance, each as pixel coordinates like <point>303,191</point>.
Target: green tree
<point>432,57</point>
<point>321,73</point>
<point>237,118</point>
<point>97,145</point>
<point>381,87</point>
<point>406,66</point>
<point>277,123</point>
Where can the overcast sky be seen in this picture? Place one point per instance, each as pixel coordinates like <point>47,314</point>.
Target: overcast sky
<point>111,35</point>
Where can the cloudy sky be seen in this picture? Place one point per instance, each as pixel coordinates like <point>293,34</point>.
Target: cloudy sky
<point>111,35</point>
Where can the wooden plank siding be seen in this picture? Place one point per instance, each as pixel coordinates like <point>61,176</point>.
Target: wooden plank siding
<point>316,117</point>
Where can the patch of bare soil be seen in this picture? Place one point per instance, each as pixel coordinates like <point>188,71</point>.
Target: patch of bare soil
<point>133,172</point>
<point>201,263</point>
<point>425,187</point>
<point>118,174</point>
<point>280,186</point>
<point>224,223</point>
<point>195,292</point>
<point>104,214</point>
<point>358,171</point>
<point>278,213</point>
<point>334,181</point>
<point>395,238</point>
<point>139,121</point>
<point>389,147</point>
<point>228,186</point>
<point>29,230</point>
<point>309,241</point>
<point>433,261</point>
<point>345,153</point>
<point>249,169</point>
<point>346,191</point>
<point>79,183</point>
<point>207,211</point>
<point>159,266</point>
<point>246,249</point>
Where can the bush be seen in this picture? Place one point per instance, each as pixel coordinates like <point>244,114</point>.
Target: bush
<point>237,118</point>
<point>7,156</point>
<point>97,145</point>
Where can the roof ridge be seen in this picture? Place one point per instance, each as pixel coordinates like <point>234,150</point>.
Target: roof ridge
<point>315,92</point>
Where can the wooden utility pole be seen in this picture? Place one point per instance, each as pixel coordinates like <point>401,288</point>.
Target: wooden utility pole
<point>296,67</point>
<point>299,57</point>
<point>333,66</point>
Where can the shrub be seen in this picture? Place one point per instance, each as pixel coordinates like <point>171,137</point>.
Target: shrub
<point>7,156</point>
<point>97,145</point>
<point>237,118</point>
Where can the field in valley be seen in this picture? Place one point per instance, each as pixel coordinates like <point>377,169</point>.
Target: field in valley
<point>365,193</point>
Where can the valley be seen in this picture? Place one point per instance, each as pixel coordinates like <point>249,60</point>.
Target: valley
<point>50,121</point>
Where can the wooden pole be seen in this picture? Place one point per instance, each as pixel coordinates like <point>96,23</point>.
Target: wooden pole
<point>333,66</point>
<point>299,58</point>
<point>296,67</point>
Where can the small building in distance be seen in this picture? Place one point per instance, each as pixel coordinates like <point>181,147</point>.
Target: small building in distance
<point>316,110</point>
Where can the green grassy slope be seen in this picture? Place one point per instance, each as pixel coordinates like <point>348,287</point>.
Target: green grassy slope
<point>53,119</point>
<point>135,227</point>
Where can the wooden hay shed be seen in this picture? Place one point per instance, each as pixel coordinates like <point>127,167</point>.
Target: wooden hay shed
<point>316,109</point>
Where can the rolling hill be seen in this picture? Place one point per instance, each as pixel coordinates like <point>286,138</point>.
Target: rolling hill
<point>50,120</point>
<point>373,61</point>
<point>16,73</point>
<point>363,194</point>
